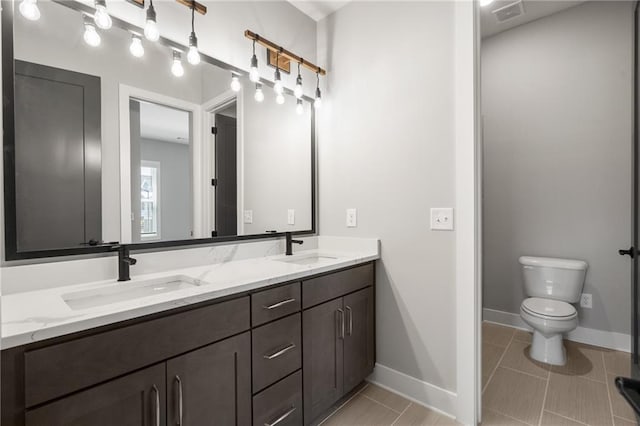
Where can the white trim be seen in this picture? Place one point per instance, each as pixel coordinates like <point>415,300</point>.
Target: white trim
<point>589,336</point>
<point>467,204</point>
<point>209,108</point>
<point>126,93</point>
<point>423,393</point>
<point>155,165</point>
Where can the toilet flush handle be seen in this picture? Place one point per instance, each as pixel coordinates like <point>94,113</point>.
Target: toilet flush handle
<point>631,252</point>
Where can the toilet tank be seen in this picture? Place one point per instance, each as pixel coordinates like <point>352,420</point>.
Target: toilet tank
<point>559,279</point>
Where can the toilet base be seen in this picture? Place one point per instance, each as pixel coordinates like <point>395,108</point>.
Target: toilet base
<point>548,348</point>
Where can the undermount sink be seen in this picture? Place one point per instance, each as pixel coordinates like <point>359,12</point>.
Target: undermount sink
<point>307,259</point>
<point>114,293</point>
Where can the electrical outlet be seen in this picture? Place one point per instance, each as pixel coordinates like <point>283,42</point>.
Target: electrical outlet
<point>442,219</point>
<point>586,301</point>
<point>291,217</point>
<point>248,216</point>
<point>352,218</point>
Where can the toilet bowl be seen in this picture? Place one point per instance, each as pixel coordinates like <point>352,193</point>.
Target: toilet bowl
<point>551,286</point>
<point>550,319</point>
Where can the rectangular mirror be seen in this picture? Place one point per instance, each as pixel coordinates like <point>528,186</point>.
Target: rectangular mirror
<point>125,151</point>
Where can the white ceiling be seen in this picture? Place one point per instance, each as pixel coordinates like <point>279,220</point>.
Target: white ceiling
<point>533,9</point>
<point>161,123</point>
<point>318,9</point>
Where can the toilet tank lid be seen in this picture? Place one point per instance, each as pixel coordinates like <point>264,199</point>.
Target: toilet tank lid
<point>551,262</point>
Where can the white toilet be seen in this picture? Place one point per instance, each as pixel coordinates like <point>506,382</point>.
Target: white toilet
<point>551,285</point>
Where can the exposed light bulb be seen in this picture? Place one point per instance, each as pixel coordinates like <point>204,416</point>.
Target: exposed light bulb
<point>193,56</point>
<point>299,107</point>
<point>235,83</point>
<point>298,91</point>
<point>259,95</point>
<point>277,84</point>
<point>485,2</point>
<point>280,99</point>
<point>136,48</point>
<point>318,101</point>
<point>151,31</point>
<point>176,67</point>
<point>101,16</point>
<point>91,36</point>
<point>29,9</point>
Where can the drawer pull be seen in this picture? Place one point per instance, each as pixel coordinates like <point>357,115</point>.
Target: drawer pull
<point>179,383</point>
<point>350,313</point>
<point>281,418</point>
<point>277,305</point>
<point>280,352</point>
<point>156,404</point>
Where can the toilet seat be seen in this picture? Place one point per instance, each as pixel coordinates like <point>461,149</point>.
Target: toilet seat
<point>549,309</point>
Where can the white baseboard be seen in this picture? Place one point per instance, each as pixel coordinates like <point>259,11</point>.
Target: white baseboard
<point>589,336</point>
<point>422,393</point>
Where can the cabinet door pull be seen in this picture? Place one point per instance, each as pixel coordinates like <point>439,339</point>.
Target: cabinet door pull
<point>157,404</point>
<point>280,352</point>
<point>179,411</point>
<point>277,305</point>
<point>350,316</point>
<point>341,312</point>
<point>281,418</point>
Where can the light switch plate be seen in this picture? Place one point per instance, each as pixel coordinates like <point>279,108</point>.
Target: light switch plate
<point>352,218</point>
<point>291,217</point>
<point>248,216</point>
<point>442,219</point>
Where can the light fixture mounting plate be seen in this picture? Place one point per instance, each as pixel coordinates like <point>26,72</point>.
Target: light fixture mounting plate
<point>200,8</point>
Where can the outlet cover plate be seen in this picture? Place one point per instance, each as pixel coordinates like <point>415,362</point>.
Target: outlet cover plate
<point>248,216</point>
<point>586,301</point>
<point>291,217</point>
<point>442,219</point>
<point>352,218</point>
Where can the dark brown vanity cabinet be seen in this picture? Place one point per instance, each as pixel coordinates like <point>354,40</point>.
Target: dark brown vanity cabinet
<point>339,345</point>
<point>277,356</point>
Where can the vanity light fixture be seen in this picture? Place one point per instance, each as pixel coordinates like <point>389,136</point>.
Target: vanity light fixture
<point>254,75</point>
<point>318,101</point>
<point>299,107</point>
<point>91,36</point>
<point>101,16</point>
<point>259,95</point>
<point>235,82</point>
<point>298,91</point>
<point>151,31</point>
<point>176,67</point>
<point>29,9</point>
<point>136,48</point>
<point>193,56</point>
<point>277,79</point>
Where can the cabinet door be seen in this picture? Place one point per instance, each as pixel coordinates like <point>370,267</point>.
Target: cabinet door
<point>359,337</point>
<point>212,385</point>
<point>322,330</point>
<point>137,399</point>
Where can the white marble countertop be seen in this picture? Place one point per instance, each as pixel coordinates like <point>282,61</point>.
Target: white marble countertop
<point>43,314</point>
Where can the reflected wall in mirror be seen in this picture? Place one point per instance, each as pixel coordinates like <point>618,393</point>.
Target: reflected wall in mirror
<point>126,151</point>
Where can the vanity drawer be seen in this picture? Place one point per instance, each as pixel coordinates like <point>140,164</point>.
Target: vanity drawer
<point>275,303</point>
<point>330,286</point>
<point>67,367</point>
<point>276,350</point>
<point>282,401</point>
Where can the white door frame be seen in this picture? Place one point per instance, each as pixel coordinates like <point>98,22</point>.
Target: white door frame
<point>209,109</point>
<point>125,94</point>
<point>468,214</point>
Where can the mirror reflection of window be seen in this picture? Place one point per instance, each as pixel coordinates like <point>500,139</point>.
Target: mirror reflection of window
<point>149,200</point>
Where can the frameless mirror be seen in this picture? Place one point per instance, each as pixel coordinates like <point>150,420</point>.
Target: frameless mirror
<point>113,147</point>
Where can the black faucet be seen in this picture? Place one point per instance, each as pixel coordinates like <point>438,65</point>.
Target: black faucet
<point>124,261</point>
<point>290,242</point>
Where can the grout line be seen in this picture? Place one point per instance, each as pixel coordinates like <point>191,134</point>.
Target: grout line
<point>525,373</point>
<point>606,375</point>
<point>403,411</point>
<point>544,398</point>
<point>343,404</point>
<point>380,403</point>
<point>497,364</point>
<point>507,416</point>
<point>565,417</point>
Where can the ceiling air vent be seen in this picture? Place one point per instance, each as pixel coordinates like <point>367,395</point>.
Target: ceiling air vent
<point>509,11</point>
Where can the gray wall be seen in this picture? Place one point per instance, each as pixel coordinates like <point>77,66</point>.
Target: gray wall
<point>386,147</point>
<point>557,107</point>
